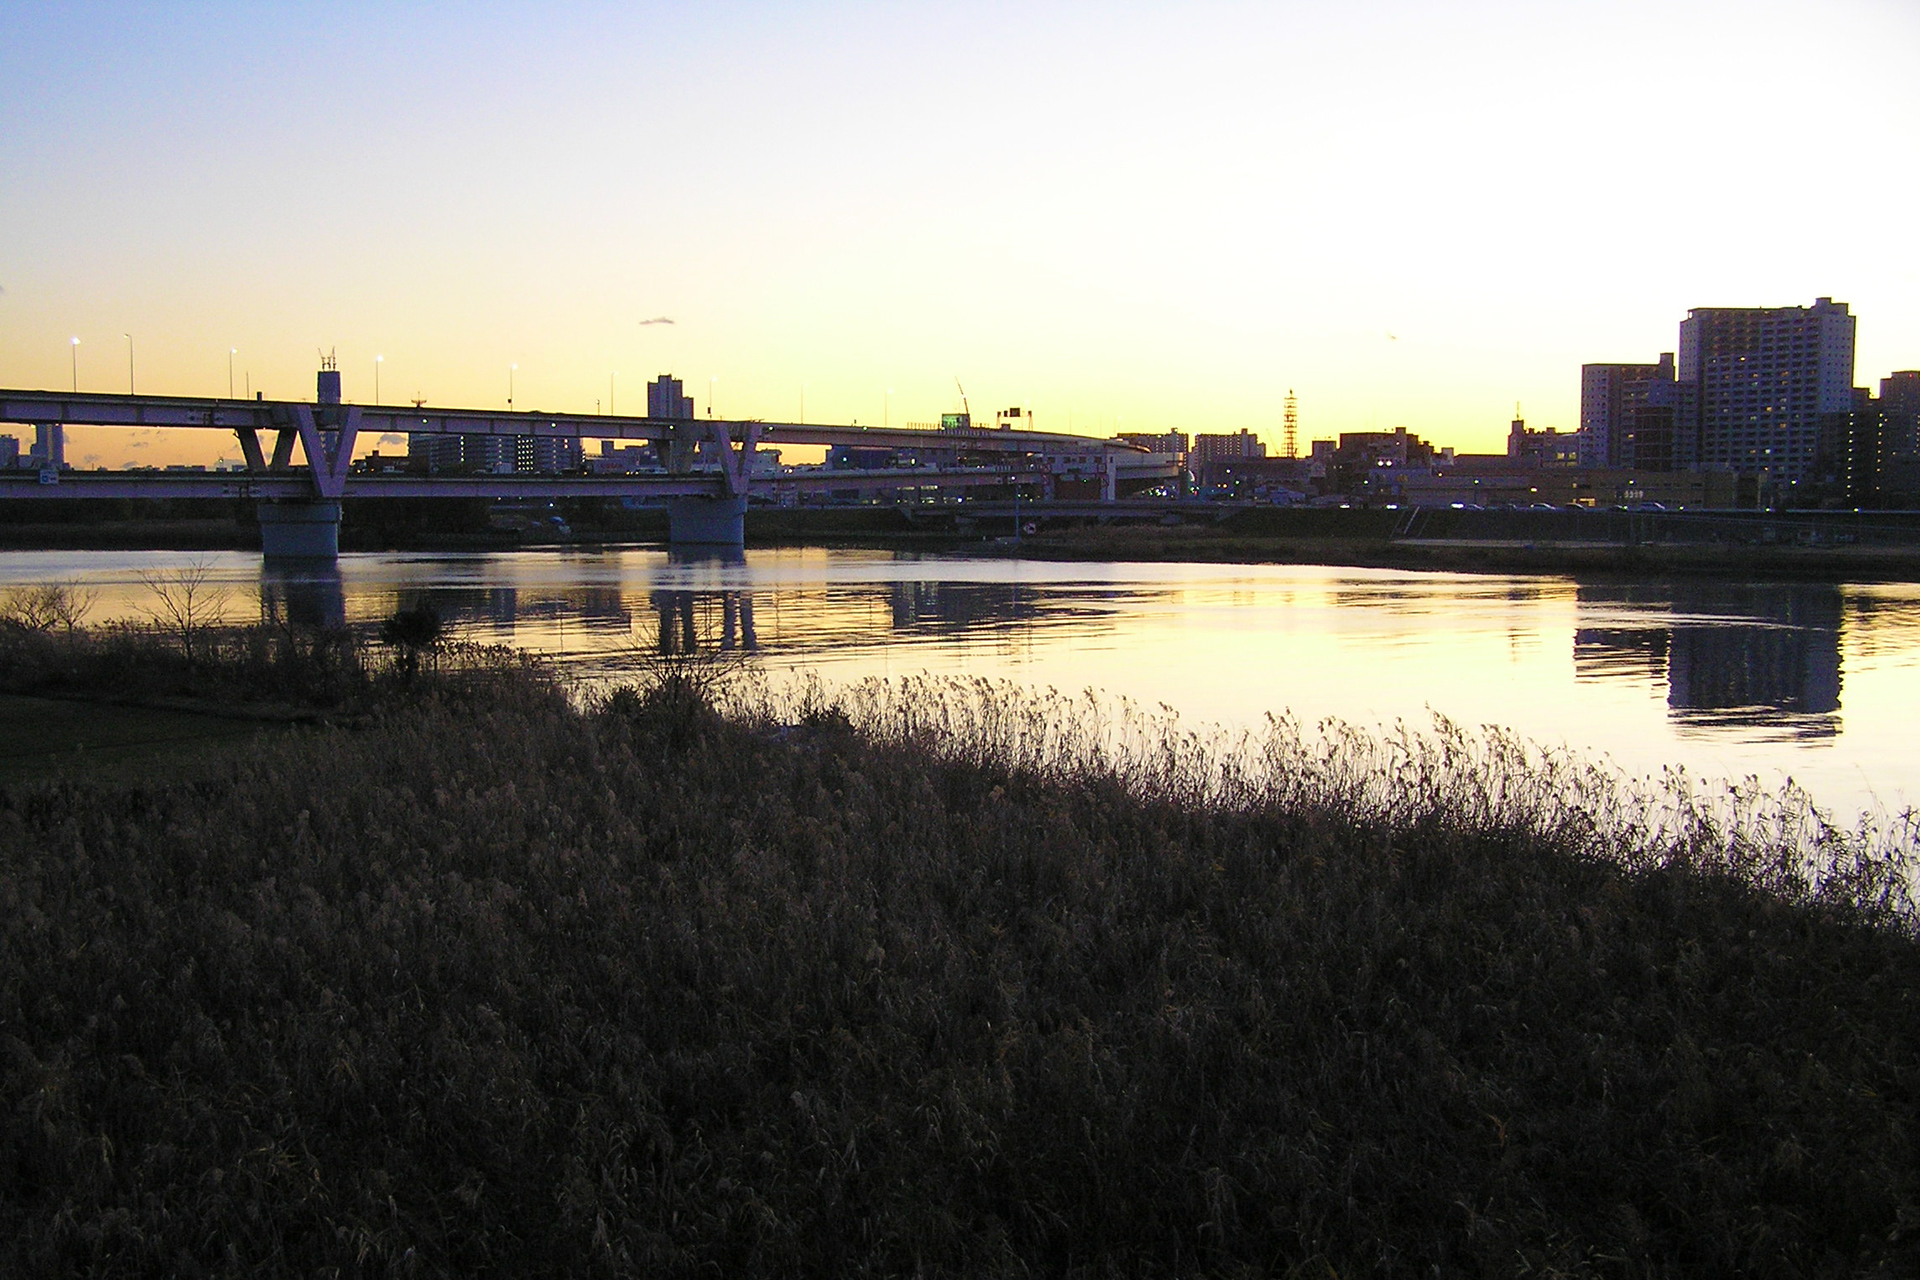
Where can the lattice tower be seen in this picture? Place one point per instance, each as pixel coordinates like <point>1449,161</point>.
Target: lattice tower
<point>1291,421</point>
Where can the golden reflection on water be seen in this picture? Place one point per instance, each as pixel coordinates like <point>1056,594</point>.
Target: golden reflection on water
<point>1815,681</point>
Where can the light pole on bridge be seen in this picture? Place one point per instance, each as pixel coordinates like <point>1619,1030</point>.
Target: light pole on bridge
<point>510,369</point>
<point>377,361</point>
<point>231,353</point>
<point>76,365</point>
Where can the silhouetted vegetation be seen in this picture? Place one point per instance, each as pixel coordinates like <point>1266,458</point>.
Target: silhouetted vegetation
<point>941,978</point>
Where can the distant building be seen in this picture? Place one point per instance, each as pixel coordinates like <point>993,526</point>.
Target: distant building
<point>373,464</point>
<point>492,455</point>
<point>1265,478</point>
<point>665,399</point>
<point>1210,448</point>
<point>1372,462</point>
<point>1900,403</point>
<point>9,452</point>
<point>618,459</point>
<point>1757,381</point>
<point>1548,448</point>
<point>461,455</point>
<point>1900,392</point>
<point>1869,454</point>
<point>547,455</point>
<point>1614,423</point>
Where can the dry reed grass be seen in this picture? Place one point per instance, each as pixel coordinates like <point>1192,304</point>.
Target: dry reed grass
<point>937,978</point>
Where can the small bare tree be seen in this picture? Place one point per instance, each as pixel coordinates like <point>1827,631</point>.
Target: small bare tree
<point>187,603</point>
<point>47,606</point>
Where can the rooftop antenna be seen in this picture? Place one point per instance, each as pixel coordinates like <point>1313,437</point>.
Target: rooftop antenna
<point>328,360</point>
<point>1291,420</point>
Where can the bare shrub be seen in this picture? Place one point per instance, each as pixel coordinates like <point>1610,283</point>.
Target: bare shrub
<point>188,604</point>
<point>47,606</point>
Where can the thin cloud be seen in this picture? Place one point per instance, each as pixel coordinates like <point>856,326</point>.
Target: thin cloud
<point>658,320</point>
<point>392,437</point>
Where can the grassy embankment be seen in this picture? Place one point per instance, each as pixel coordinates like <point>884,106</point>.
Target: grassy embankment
<point>930,978</point>
<point>1260,538</point>
<point>1491,542</point>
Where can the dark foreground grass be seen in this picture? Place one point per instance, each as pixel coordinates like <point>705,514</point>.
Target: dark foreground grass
<point>931,982</point>
<point>48,739</point>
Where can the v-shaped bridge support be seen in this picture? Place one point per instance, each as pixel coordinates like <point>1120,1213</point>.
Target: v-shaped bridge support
<point>329,447</point>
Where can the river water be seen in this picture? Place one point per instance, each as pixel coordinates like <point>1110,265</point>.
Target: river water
<point>1818,683</point>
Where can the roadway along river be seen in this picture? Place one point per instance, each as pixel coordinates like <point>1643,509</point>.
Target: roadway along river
<point>1820,683</point>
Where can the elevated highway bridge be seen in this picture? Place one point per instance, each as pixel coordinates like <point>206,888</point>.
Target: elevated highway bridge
<point>299,459</point>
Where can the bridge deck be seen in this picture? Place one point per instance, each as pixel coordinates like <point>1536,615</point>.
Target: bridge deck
<point>84,409</point>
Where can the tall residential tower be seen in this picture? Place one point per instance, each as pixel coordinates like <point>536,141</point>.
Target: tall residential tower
<point>1759,379</point>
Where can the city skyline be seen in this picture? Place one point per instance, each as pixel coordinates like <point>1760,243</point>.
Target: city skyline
<point>1127,219</point>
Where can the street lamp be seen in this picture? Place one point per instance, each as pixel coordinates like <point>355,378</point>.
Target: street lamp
<point>887,413</point>
<point>710,382</point>
<point>129,338</point>
<point>376,378</point>
<point>510,369</point>
<point>613,384</point>
<point>231,353</point>
<point>76,365</point>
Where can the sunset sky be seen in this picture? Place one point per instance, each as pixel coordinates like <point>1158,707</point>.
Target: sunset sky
<point>1140,217</point>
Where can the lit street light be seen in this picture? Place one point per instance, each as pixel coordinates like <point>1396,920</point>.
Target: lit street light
<point>76,365</point>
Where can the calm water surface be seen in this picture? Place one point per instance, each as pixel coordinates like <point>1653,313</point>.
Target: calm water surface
<point>1819,683</point>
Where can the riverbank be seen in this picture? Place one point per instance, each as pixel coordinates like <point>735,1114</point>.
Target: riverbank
<point>1359,539</point>
<point>924,979</point>
<point>1223,545</point>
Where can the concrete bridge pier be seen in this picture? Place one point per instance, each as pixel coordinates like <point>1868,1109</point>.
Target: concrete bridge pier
<point>707,522</point>
<point>300,530</point>
<point>310,530</point>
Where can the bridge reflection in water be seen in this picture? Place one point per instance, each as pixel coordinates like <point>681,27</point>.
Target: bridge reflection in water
<point>303,593</point>
<point>707,579</point>
<point>1760,659</point>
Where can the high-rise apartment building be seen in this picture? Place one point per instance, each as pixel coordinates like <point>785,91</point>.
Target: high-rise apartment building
<point>1757,381</point>
<point>666,400</point>
<point>1613,421</point>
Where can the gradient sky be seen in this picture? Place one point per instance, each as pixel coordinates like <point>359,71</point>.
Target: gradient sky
<point>1135,216</point>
